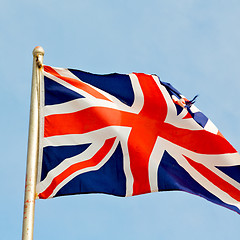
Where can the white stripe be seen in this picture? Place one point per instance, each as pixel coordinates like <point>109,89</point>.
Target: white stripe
<point>138,99</point>
<point>94,168</point>
<point>83,103</point>
<point>89,137</point>
<point>228,159</point>
<point>87,154</point>
<point>154,162</point>
<point>66,73</point>
<point>194,109</point>
<point>92,101</point>
<point>172,117</point>
<point>99,136</point>
<point>208,185</point>
<point>210,127</point>
<point>175,98</point>
<point>177,153</point>
<point>126,161</point>
<point>68,85</point>
<point>138,94</point>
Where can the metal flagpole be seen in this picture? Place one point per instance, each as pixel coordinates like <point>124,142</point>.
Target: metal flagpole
<point>32,154</point>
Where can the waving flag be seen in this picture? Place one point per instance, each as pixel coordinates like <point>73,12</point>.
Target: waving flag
<point>128,135</point>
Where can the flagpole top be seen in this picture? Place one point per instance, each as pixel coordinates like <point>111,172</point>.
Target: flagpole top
<point>38,51</point>
<point>38,54</point>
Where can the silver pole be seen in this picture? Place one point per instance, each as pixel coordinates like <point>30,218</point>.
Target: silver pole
<point>32,154</point>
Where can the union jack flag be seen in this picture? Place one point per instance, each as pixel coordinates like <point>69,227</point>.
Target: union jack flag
<point>127,135</point>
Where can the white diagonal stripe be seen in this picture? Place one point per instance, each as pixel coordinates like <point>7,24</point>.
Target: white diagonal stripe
<point>172,117</point>
<point>92,101</point>
<point>177,153</point>
<point>88,169</point>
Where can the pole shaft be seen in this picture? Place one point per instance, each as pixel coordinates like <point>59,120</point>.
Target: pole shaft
<point>32,154</point>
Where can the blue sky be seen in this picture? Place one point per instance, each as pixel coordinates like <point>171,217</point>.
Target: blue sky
<point>193,44</point>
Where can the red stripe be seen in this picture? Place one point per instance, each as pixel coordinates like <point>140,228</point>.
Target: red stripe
<point>96,159</point>
<point>76,83</point>
<point>199,141</point>
<point>144,132</point>
<point>215,179</point>
<point>86,120</point>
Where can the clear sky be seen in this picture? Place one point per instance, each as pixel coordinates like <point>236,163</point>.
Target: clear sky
<point>193,44</point>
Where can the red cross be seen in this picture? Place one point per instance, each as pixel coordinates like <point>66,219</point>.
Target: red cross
<point>145,128</point>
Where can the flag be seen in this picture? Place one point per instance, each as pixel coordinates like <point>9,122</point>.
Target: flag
<point>129,134</point>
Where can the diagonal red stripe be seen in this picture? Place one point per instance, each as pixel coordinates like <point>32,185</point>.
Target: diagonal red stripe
<point>96,159</point>
<point>76,83</point>
<point>215,179</point>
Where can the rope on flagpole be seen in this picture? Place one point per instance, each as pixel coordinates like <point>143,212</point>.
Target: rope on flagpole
<point>32,154</point>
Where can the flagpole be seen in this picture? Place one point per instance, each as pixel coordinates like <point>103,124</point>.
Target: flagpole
<point>32,154</point>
